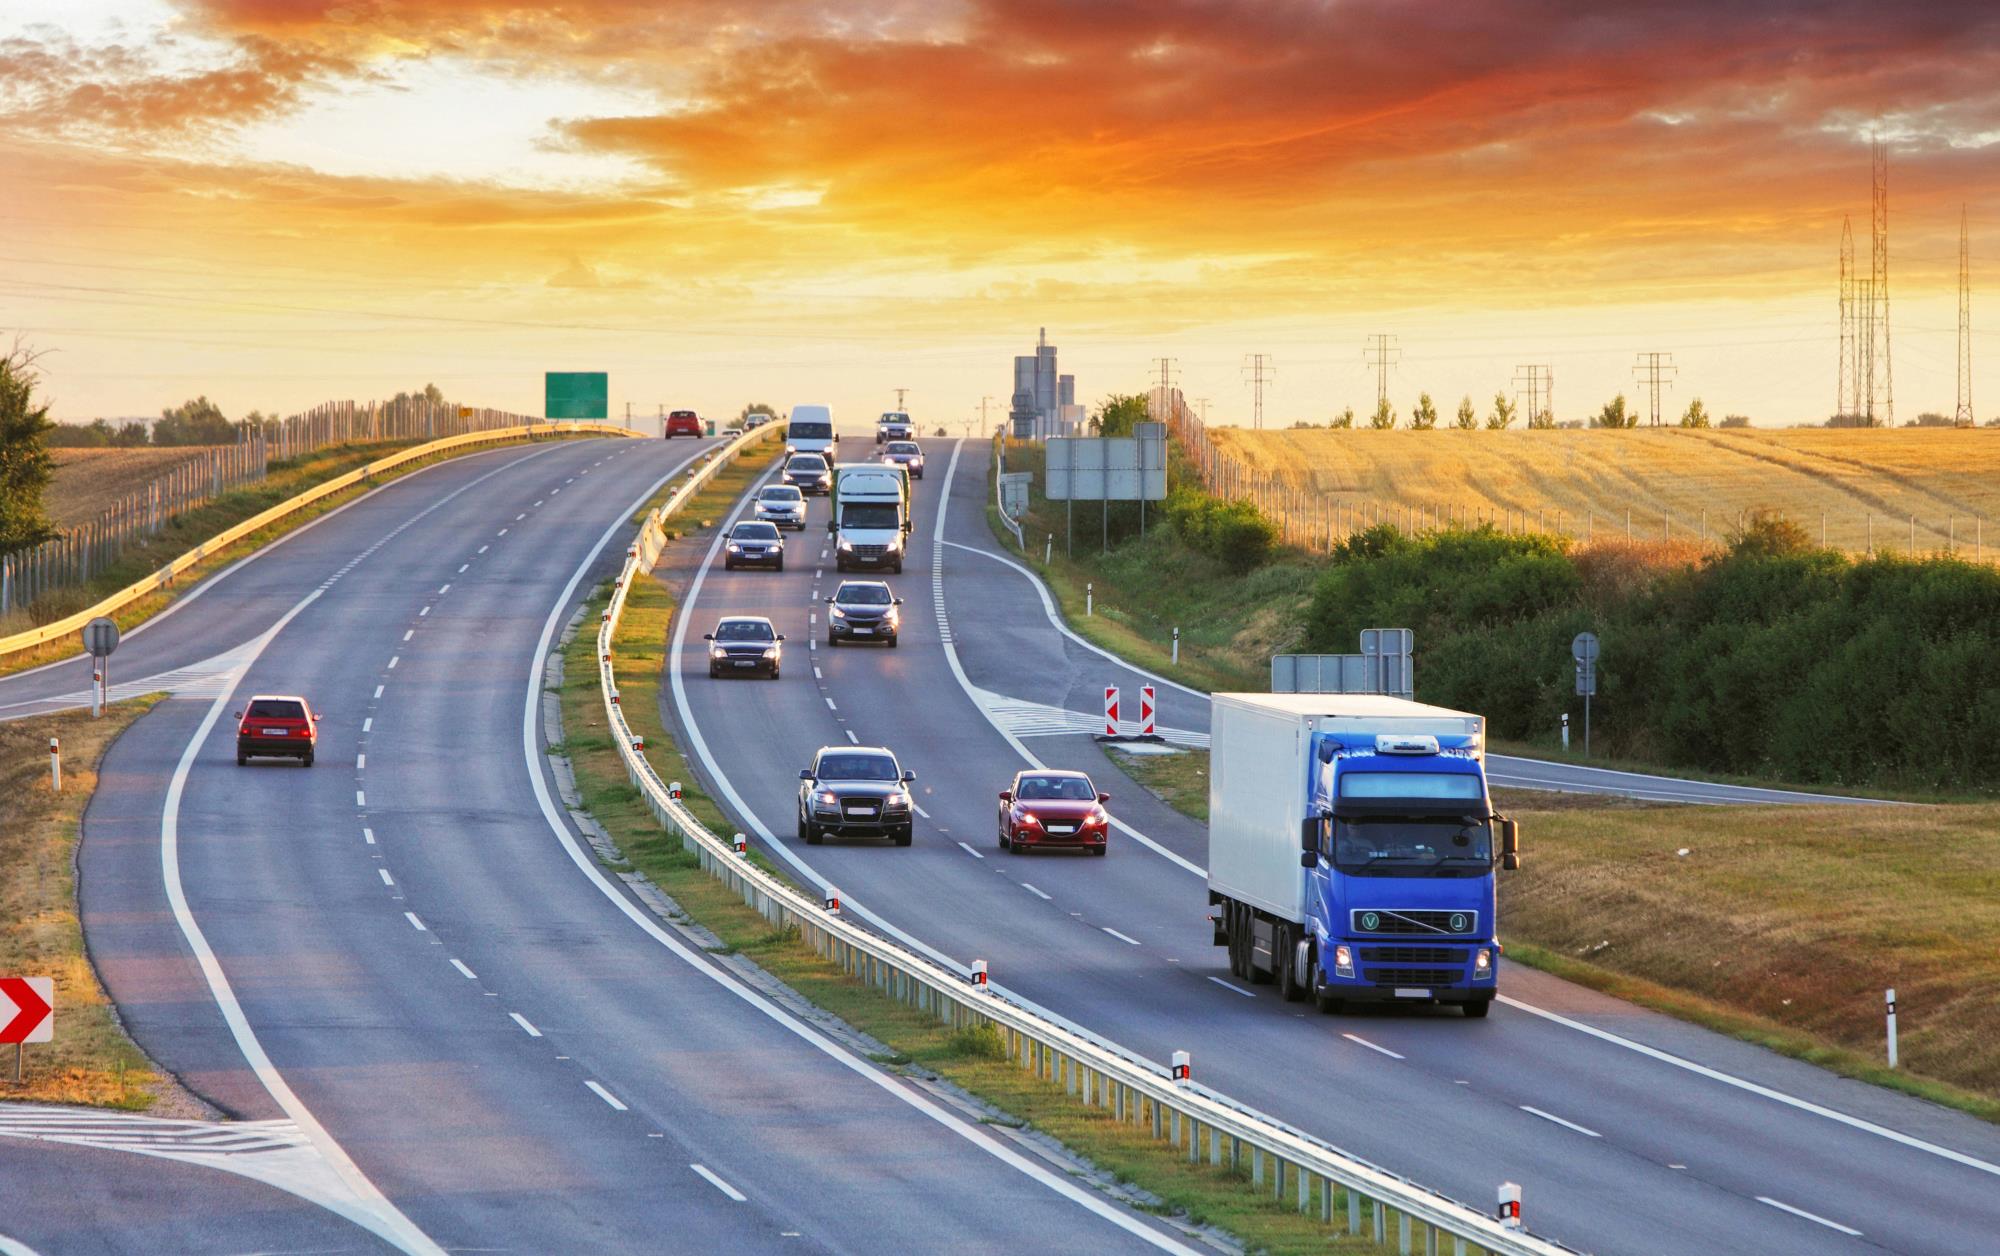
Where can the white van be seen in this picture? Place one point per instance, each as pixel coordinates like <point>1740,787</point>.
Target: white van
<point>810,431</point>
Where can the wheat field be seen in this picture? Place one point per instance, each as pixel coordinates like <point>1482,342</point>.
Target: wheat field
<point>88,480</point>
<point>1866,484</point>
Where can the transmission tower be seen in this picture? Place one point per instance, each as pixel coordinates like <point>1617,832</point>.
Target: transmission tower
<point>1258,369</point>
<point>1540,390</point>
<point>1168,368</point>
<point>1864,351</point>
<point>1655,368</point>
<point>1843,386</point>
<point>984,426</point>
<point>1381,353</point>
<point>1962,416</point>
<point>899,399</point>
<point>1881,375</point>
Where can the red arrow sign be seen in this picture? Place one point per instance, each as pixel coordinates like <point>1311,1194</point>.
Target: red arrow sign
<point>31,1017</point>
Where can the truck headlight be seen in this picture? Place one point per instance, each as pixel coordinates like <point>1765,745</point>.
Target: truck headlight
<point>846,544</point>
<point>1343,961</point>
<point>1482,963</point>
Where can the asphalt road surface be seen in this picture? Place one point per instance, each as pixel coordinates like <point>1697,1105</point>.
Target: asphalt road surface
<point>1631,1132</point>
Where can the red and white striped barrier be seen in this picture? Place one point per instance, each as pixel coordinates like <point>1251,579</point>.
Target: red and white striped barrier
<point>1110,710</point>
<point>1146,711</point>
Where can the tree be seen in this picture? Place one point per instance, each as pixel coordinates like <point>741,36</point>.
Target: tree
<point>132,434</point>
<point>1384,417</point>
<point>757,407</point>
<point>1503,412</point>
<point>1303,425</point>
<point>1468,418</point>
<point>1425,416</point>
<point>197,422</point>
<point>25,464</point>
<point>1344,419</point>
<point>1930,418</point>
<point>94,435</point>
<point>1119,413</point>
<point>1735,420</point>
<point>1615,414</point>
<point>1696,416</point>
<point>1543,419</point>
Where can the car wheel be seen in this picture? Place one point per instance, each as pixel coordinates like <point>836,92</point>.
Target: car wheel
<point>898,568</point>
<point>242,760</point>
<point>1099,850</point>
<point>1478,1008</point>
<point>781,564</point>
<point>906,834</point>
<point>1287,974</point>
<point>729,564</point>
<point>809,832</point>
<point>713,674</point>
<point>306,759</point>
<point>832,642</point>
<point>1004,843</point>
<point>774,673</point>
<point>892,642</point>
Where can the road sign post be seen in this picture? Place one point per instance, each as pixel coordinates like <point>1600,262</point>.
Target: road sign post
<point>27,1013</point>
<point>1584,650</point>
<point>100,638</point>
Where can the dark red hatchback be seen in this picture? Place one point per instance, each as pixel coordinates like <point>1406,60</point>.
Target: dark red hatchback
<point>276,726</point>
<point>1047,808</point>
<point>682,423</point>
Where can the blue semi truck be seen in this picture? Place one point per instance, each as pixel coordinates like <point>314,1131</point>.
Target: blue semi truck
<point>1353,849</point>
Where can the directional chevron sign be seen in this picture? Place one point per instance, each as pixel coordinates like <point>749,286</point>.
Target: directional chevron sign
<point>27,1009</point>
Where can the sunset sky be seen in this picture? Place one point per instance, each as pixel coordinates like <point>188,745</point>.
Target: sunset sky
<point>279,202</point>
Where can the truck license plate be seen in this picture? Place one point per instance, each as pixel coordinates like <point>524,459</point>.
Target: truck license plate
<point>1405,992</point>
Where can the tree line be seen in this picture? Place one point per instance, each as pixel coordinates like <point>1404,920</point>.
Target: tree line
<point>1425,417</point>
<point>198,421</point>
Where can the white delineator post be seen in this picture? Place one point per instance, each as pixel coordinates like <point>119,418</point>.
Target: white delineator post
<point>1089,598</point>
<point>1110,710</point>
<point>97,691</point>
<point>1509,1212</point>
<point>1183,1068</point>
<point>1891,1001</point>
<point>1146,711</point>
<point>1565,730</point>
<point>55,765</point>
<point>742,844</point>
<point>832,900</point>
<point>1177,647</point>
<point>979,973</point>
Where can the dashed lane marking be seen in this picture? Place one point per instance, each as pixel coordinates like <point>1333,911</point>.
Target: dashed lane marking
<point>460,966</point>
<point>1809,1216</point>
<point>416,924</point>
<point>1571,1125</point>
<point>719,1184</point>
<point>522,1021</point>
<point>1037,893</point>
<point>1359,1040</point>
<point>605,1095</point>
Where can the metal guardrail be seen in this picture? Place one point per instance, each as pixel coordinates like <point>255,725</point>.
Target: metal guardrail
<point>1206,1125</point>
<point>999,502</point>
<point>164,577</point>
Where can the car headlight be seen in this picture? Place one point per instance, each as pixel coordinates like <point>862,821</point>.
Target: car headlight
<point>1343,961</point>
<point>846,544</point>
<point>1028,817</point>
<point>834,612</point>
<point>734,548</point>
<point>896,800</point>
<point>770,651</point>
<point>827,798</point>
<point>1482,963</point>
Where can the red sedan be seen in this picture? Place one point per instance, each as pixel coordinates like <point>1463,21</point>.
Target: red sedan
<point>1053,809</point>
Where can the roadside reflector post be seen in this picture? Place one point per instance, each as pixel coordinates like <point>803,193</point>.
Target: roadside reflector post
<point>1509,1212</point>
<point>1891,1001</point>
<point>1089,597</point>
<point>832,900</point>
<point>674,790</point>
<point>614,697</point>
<point>1048,549</point>
<point>55,765</point>
<point>96,693</point>
<point>742,844</point>
<point>638,743</point>
<point>979,973</point>
<point>1183,1068</point>
<point>1110,710</point>
<point>1565,730</point>
<point>1177,647</point>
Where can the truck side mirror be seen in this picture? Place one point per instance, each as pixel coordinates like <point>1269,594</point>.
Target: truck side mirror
<point>1309,843</point>
<point>831,526</point>
<point>1510,843</point>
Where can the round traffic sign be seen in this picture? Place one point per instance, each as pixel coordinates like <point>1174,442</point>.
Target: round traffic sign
<point>100,636</point>
<point>1584,648</point>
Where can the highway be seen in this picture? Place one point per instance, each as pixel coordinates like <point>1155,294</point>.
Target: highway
<point>1631,1132</point>
<point>405,960</point>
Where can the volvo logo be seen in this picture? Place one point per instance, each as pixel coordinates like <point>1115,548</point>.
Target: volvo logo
<point>1458,922</point>
<point>1370,921</point>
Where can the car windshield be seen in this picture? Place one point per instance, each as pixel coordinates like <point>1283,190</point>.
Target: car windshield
<point>277,709</point>
<point>811,464</point>
<point>754,532</point>
<point>743,630</point>
<point>856,767</point>
<point>1392,845</point>
<point>1061,788</point>
<point>780,494</point>
<point>903,447</point>
<point>869,515</point>
<point>863,595</point>
<point>807,430</point>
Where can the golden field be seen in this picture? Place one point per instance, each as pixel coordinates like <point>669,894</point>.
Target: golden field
<point>1947,478</point>
<point>88,480</point>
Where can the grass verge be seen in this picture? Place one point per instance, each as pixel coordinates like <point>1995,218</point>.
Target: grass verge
<point>1204,1195</point>
<point>193,527</point>
<point>91,1060</point>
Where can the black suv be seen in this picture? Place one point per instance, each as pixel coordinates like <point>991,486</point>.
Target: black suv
<point>753,544</point>
<point>744,644</point>
<point>854,791</point>
<point>863,610</point>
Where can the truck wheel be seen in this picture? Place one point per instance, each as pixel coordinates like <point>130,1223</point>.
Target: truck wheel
<point>1285,969</point>
<point>1239,944</point>
<point>1328,1003</point>
<point>1478,1008</point>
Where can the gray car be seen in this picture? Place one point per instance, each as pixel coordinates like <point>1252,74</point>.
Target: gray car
<point>783,505</point>
<point>855,791</point>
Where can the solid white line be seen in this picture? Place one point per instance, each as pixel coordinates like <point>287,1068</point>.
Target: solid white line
<point>587,865</point>
<point>469,974</point>
<point>1809,1216</point>
<point>369,836</point>
<point>368,724</point>
<point>522,1021</point>
<point>411,633</point>
<point>719,1184</point>
<point>605,1095</point>
<point>378,691</point>
<point>1120,936</point>
<point>1248,994</point>
<point>418,925</point>
<point>15,1247</point>
<point>968,850</point>
<point>384,874</point>
<point>1550,1116</point>
<point>1037,893</point>
<point>1880,1131</point>
<point>1357,1038</point>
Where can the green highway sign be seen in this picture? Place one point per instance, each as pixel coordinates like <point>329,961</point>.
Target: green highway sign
<point>576,395</point>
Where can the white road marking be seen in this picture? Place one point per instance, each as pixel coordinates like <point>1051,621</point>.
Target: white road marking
<point>360,762</point>
<point>1248,994</point>
<point>460,966</point>
<point>852,739</point>
<point>394,660</point>
<point>1357,1038</point>
<point>482,550</point>
<point>368,835</point>
<point>719,1184</point>
<point>605,1095</point>
<point>423,612</point>
<point>968,850</point>
<point>416,924</point>
<point>914,806</point>
<point>378,691</point>
<point>522,1021</point>
<point>1037,893</point>
<point>1120,936</point>
<point>538,503</point>
<point>830,706</point>
<point>368,724</point>
<point>816,675</point>
<point>501,532</point>
<point>444,589</point>
<point>521,516</point>
<point>462,567</point>
<point>1809,1216</point>
<point>570,480</point>
<point>1550,1116</point>
<point>384,874</point>
<point>360,798</point>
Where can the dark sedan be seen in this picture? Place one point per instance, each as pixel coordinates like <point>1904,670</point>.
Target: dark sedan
<point>754,544</point>
<point>744,645</point>
<point>906,454</point>
<point>809,473</point>
<point>855,791</point>
<point>1053,809</point>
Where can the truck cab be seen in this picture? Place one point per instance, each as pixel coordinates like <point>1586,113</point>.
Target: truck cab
<point>871,516</point>
<point>1353,850</point>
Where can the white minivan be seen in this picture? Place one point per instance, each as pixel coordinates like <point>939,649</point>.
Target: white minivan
<point>810,431</point>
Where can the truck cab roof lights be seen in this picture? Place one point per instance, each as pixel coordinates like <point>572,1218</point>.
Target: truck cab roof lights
<point>1406,743</point>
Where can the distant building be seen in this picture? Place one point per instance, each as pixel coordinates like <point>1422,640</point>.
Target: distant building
<point>1043,403</point>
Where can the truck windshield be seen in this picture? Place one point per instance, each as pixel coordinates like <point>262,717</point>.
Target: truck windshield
<point>1401,846</point>
<point>806,429</point>
<point>869,515</point>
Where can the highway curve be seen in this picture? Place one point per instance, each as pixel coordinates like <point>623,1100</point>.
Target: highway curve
<point>405,955</point>
<point>1631,1132</point>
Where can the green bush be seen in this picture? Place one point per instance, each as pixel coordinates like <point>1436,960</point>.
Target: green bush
<point>1234,533</point>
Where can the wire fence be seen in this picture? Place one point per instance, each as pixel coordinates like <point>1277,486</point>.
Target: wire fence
<point>1313,519</point>
<point>82,552</point>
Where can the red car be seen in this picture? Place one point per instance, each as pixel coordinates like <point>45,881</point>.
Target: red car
<point>1046,808</point>
<point>276,726</point>
<point>683,423</point>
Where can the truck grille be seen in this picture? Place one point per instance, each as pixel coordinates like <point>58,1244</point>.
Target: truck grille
<point>870,551</point>
<point>1412,955</point>
<point>1413,976</point>
<point>1434,923</point>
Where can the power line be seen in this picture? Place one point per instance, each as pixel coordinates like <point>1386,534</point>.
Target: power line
<point>1655,368</point>
<point>1844,389</point>
<point>1962,416</point>
<point>1259,368</point>
<point>1881,376</point>
<point>1381,353</point>
<point>1540,381</point>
